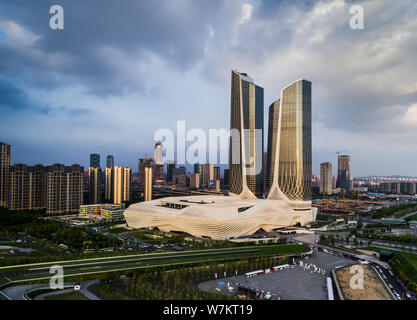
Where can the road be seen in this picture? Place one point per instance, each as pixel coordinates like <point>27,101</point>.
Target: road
<point>20,292</point>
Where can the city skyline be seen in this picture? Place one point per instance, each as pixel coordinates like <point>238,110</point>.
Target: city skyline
<point>65,110</point>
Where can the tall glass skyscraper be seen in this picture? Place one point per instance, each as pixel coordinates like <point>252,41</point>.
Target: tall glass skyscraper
<point>289,146</point>
<point>110,161</point>
<point>94,160</point>
<point>343,173</point>
<point>246,148</point>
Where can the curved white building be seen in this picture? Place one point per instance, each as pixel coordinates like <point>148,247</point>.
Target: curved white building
<point>214,217</point>
<point>288,178</point>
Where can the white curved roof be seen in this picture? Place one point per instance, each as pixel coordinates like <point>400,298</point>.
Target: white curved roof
<point>217,217</point>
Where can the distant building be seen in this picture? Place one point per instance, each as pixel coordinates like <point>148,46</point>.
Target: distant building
<point>112,211</point>
<point>180,170</point>
<point>326,183</point>
<point>148,184</point>
<point>94,185</point>
<point>343,173</point>
<point>408,187</point>
<point>64,188</point>
<point>27,187</point>
<point>110,161</point>
<point>171,165</point>
<point>94,160</point>
<point>198,168</point>
<point>195,181</point>
<point>179,180</point>
<point>108,184</point>
<point>208,174</point>
<point>121,177</point>
<point>217,185</point>
<point>144,163</point>
<point>393,187</point>
<point>4,174</point>
<point>226,178</point>
<point>216,173</point>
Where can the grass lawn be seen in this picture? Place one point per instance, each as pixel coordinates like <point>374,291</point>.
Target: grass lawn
<point>75,295</point>
<point>412,218</point>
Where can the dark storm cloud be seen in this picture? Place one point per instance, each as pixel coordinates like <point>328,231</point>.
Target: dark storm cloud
<point>99,36</point>
<point>12,98</point>
<point>118,62</point>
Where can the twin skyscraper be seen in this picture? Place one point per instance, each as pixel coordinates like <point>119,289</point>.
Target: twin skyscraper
<point>268,198</point>
<point>286,175</point>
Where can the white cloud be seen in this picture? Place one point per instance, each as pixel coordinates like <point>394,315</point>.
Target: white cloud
<point>247,10</point>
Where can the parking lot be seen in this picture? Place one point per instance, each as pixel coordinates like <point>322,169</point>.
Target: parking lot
<point>293,283</point>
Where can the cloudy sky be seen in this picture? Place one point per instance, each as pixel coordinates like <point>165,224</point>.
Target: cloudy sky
<point>120,70</point>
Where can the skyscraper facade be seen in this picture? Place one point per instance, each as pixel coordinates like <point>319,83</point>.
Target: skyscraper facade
<point>171,165</point>
<point>208,174</point>
<point>216,173</point>
<point>246,148</point>
<point>148,184</point>
<point>273,122</point>
<point>27,187</point>
<point>144,163</point>
<point>198,168</point>
<point>110,161</point>
<point>94,183</point>
<point>343,173</point>
<point>94,160</point>
<point>64,188</point>
<point>4,175</point>
<point>121,177</point>
<point>291,168</point>
<point>326,183</point>
<point>108,184</point>
<point>226,178</point>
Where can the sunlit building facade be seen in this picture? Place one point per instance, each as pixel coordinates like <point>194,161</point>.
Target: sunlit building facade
<point>246,148</point>
<point>291,172</point>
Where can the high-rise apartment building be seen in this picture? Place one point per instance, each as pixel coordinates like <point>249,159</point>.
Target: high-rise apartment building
<point>121,184</point>
<point>208,174</point>
<point>290,147</point>
<point>198,168</point>
<point>343,173</point>
<point>216,173</point>
<point>27,187</point>
<point>226,178</point>
<point>108,184</point>
<point>94,185</point>
<point>326,183</point>
<point>144,163</point>
<point>171,165</point>
<point>4,174</point>
<point>247,138</point>
<point>94,160</point>
<point>110,161</point>
<point>148,184</point>
<point>195,181</point>
<point>64,188</point>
